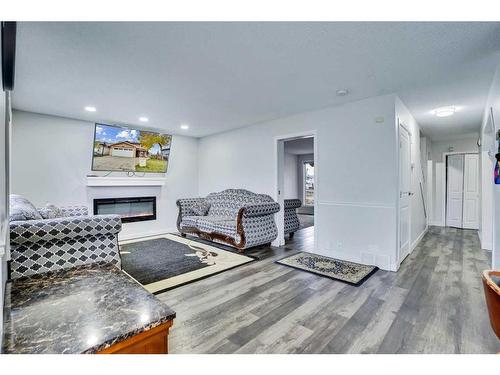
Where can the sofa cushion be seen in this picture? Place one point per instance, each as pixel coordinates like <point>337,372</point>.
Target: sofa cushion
<point>22,209</point>
<point>199,208</point>
<point>219,224</point>
<point>189,221</point>
<point>50,211</point>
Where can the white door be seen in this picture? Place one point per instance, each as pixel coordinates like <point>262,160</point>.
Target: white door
<point>124,153</point>
<point>404,193</point>
<point>471,192</point>
<point>455,190</point>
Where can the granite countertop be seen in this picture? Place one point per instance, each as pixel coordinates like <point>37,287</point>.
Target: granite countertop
<point>80,310</point>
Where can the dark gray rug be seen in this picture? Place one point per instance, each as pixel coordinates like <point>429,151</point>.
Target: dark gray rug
<point>348,272</point>
<point>257,252</point>
<point>153,260</point>
<point>163,263</point>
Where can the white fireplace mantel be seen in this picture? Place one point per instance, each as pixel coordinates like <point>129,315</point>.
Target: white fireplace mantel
<point>125,181</point>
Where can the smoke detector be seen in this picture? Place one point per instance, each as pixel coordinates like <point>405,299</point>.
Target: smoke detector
<point>342,92</point>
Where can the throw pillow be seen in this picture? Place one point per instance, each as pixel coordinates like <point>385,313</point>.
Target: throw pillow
<point>50,211</point>
<point>200,208</point>
<point>22,209</point>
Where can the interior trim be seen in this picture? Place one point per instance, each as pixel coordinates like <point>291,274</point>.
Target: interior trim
<point>357,204</point>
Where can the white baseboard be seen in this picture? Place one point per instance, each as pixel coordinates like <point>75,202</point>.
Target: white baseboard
<point>382,261</point>
<point>134,236</point>
<point>419,238</point>
<point>485,245</point>
<point>278,243</point>
<point>436,223</point>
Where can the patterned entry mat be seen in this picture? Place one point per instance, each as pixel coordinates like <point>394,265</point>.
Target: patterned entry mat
<point>348,272</point>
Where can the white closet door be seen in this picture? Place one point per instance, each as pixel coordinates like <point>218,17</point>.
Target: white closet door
<point>404,192</point>
<point>471,192</point>
<point>455,184</point>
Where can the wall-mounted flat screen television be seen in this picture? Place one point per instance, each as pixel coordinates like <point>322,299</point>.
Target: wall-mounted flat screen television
<point>123,149</point>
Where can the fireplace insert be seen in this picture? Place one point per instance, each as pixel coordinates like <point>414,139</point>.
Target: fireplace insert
<point>130,209</point>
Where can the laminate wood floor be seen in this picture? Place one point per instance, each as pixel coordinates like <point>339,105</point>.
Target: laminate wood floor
<point>433,304</point>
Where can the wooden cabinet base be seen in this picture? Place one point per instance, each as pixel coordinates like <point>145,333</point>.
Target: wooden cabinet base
<point>154,341</point>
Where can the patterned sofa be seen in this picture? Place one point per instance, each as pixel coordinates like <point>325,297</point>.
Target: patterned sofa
<point>292,223</point>
<point>234,217</point>
<point>72,239</point>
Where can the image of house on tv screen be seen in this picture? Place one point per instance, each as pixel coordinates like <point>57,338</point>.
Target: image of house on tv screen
<point>130,150</point>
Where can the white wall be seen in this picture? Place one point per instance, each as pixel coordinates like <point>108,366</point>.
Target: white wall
<point>427,168</point>
<point>425,151</point>
<point>439,171</point>
<point>491,192</point>
<point>355,174</point>
<point>51,157</point>
<point>418,221</point>
<point>290,176</point>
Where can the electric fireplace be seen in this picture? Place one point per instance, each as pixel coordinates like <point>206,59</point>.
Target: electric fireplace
<point>130,209</point>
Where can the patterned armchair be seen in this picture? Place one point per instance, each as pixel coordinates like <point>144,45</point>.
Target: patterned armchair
<point>72,239</point>
<point>234,217</point>
<point>292,223</point>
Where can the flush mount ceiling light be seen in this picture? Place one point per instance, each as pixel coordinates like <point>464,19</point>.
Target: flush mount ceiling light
<point>143,119</point>
<point>90,108</point>
<point>342,92</point>
<point>445,111</point>
<point>184,127</point>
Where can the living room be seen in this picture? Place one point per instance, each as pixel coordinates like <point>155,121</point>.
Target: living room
<point>309,213</point>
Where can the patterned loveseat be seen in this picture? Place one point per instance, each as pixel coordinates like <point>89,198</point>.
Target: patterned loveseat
<point>71,239</point>
<point>235,217</point>
<point>292,223</point>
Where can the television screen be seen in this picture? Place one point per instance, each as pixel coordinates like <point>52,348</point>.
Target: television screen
<point>130,150</point>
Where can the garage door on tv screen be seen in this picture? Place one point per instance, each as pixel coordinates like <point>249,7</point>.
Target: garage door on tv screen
<point>130,150</point>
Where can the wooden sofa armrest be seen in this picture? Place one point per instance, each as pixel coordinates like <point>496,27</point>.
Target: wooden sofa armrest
<point>487,278</point>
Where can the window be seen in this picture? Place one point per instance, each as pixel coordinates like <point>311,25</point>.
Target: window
<point>308,186</point>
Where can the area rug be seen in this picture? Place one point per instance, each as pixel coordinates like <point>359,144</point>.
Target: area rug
<point>257,252</point>
<point>348,272</point>
<point>165,262</point>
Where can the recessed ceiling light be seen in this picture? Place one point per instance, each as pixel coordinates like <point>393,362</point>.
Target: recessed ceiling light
<point>445,111</point>
<point>90,108</point>
<point>184,127</point>
<point>342,92</point>
<point>143,119</point>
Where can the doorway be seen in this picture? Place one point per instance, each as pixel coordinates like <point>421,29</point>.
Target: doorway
<point>307,182</point>
<point>296,179</point>
<point>462,190</point>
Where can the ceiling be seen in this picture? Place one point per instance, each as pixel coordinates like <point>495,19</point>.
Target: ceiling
<point>220,76</point>
<point>300,146</point>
